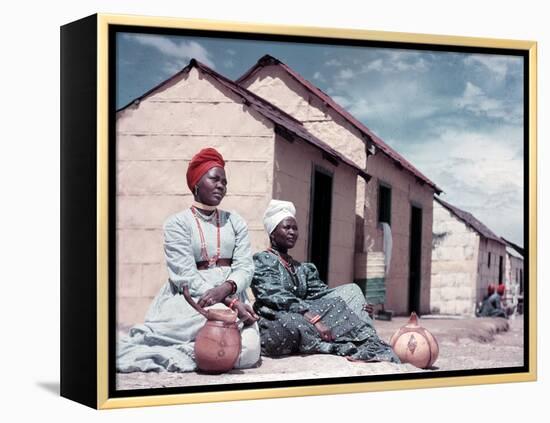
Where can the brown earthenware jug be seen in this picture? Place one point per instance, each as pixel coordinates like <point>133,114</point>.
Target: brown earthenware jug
<point>218,343</point>
<point>415,345</point>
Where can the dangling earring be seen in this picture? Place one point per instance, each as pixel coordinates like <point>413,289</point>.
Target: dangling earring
<point>196,190</point>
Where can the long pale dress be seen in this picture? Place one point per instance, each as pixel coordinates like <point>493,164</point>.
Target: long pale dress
<point>282,300</point>
<point>165,341</point>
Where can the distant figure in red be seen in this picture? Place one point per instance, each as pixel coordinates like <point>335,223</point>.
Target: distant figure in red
<point>492,303</point>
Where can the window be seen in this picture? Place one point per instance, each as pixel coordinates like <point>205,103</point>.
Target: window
<point>384,204</point>
<point>489,260</point>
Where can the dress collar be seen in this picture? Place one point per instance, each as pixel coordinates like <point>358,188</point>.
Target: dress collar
<point>202,206</point>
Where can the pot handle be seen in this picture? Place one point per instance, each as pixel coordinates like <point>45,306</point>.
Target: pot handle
<point>191,302</point>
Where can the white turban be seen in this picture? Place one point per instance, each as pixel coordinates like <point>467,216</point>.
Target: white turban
<point>277,211</point>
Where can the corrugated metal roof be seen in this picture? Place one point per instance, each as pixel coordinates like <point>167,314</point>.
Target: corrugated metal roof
<point>399,160</point>
<point>284,122</point>
<point>470,220</point>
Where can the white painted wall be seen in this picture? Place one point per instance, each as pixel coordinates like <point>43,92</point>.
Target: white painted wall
<point>155,141</point>
<point>294,163</point>
<point>454,264</point>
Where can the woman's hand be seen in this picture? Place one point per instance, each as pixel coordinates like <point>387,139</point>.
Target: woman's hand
<point>246,313</point>
<point>215,295</point>
<point>324,331</point>
<point>369,308</point>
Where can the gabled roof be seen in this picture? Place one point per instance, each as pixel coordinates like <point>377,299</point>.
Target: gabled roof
<point>471,221</point>
<point>285,124</point>
<point>515,247</point>
<point>399,160</point>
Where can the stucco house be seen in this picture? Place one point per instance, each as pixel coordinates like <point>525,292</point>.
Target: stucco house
<point>269,154</point>
<point>398,194</point>
<point>467,256</point>
<point>514,275</point>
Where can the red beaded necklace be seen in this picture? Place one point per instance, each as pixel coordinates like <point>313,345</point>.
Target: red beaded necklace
<point>204,253</point>
<point>291,269</point>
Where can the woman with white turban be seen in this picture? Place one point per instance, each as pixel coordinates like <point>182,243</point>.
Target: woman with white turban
<point>298,312</point>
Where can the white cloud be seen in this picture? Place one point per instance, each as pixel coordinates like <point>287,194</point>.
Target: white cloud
<point>342,101</point>
<point>177,53</point>
<point>476,101</point>
<point>333,62</point>
<point>401,99</point>
<point>480,172</point>
<point>375,65</point>
<point>397,61</point>
<point>346,74</point>
<point>318,76</point>
<point>498,65</point>
<point>362,108</point>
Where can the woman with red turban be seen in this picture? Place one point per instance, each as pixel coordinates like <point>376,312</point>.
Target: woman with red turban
<point>491,305</point>
<point>208,251</point>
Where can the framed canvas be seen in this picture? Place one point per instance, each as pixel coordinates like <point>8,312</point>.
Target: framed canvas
<point>406,164</point>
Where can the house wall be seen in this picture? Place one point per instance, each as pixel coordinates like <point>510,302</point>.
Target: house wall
<point>405,192</point>
<point>512,279</point>
<point>489,274</point>
<point>276,86</point>
<point>454,264</point>
<point>155,141</point>
<point>292,180</point>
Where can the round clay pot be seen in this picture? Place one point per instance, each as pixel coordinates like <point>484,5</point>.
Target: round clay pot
<point>218,343</point>
<point>415,345</point>
<point>217,346</point>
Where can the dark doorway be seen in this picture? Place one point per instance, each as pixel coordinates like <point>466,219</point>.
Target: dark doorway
<point>384,204</point>
<point>415,250</point>
<point>321,205</point>
<point>500,270</point>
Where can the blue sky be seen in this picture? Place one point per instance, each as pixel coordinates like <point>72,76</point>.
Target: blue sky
<point>457,117</point>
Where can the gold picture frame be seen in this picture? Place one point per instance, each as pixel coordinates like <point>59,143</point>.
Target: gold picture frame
<point>89,132</point>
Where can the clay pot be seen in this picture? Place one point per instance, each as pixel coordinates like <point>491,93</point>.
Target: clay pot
<point>218,343</point>
<point>217,346</point>
<point>415,345</point>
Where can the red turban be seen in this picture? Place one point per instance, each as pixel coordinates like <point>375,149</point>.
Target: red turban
<point>201,163</point>
<point>501,288</point>
<point>491,289</point>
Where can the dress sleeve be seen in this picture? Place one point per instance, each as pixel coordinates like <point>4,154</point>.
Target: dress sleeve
<point>268,288</point>
<point>180,260</point>
<point>242,267</point>
<point>315,285</point>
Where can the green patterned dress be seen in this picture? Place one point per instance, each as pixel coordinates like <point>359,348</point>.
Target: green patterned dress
<point>282,299</point>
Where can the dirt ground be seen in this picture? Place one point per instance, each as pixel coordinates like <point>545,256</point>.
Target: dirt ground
<point>463,344</point>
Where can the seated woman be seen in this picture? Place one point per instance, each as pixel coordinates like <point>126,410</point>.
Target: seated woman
<point>207,250</point>
<point>298,312</point>
<point>492,305</point>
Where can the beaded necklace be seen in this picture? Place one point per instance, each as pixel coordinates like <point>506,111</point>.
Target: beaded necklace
<point>289,267</point>
<point>204,253</point>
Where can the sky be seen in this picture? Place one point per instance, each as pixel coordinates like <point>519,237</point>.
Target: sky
<point>456,117</point>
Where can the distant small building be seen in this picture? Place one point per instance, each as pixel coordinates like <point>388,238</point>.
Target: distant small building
<point>466,257</point>
<point>514,279</point>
